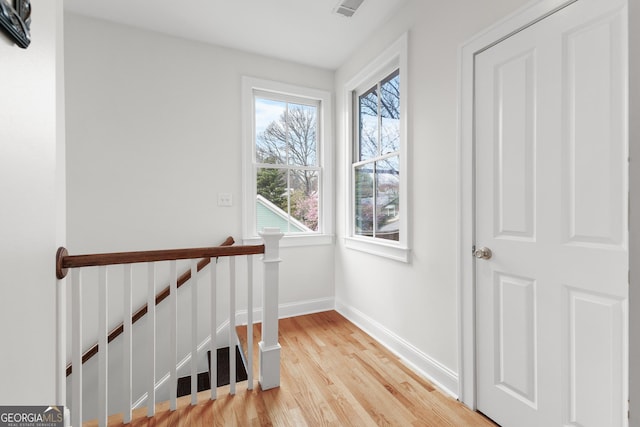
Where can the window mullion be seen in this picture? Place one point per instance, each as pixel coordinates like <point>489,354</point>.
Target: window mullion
<point>375,163</point>
<point>288,200</point>
<point>320,203</point>
<point>271,166</point>
<point>379,118</point>
<point>356,126</point>
<point>375,199</point>
<point>288,164</point>
<point>286,134</point>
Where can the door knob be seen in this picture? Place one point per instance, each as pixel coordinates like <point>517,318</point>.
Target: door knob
<point>483,253</point>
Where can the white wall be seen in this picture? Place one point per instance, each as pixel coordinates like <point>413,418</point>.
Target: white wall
<point>634,213</point>
<point>154,134</point>
<point>412,307</point>
<point>32,203</point>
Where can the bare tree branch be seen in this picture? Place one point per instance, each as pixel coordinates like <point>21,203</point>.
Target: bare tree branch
<point>292,140</point>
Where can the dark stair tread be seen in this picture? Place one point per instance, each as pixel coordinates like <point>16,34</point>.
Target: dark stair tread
<point>184,384</point>
<point>204,383</point>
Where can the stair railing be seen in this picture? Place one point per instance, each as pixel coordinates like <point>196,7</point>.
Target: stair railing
<point>141,311</point>
<point>269,348</point>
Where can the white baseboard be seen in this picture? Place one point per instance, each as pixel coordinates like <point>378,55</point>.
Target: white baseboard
<point>306,307</point>
<point>441,376</point>
<point>292,309</point>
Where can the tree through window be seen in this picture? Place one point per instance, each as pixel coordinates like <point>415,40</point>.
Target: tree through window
<point>377,160</point>
<point>287,166</point>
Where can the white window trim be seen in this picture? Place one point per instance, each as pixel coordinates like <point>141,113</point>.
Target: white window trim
<point>395,55</point>
<point>325,158</point>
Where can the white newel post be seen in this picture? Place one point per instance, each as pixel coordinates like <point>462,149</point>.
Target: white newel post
<point>269,356</point>
<point>61,350</point>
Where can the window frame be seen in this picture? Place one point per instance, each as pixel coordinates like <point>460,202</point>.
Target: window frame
<point>392,58</point>
<point>254,87</point>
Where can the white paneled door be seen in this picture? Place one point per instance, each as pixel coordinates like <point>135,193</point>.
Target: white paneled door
<point>551,205</point>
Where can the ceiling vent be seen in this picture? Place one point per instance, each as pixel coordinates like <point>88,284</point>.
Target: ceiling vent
<point>347,7</point>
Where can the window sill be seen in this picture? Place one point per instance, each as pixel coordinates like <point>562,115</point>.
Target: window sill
<point>387,250</point>
<point>292,240</point>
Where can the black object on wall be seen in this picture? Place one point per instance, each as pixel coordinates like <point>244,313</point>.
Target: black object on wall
<point>15,20</point>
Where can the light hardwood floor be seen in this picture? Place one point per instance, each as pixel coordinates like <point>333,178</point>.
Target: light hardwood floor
<point>332,374</point>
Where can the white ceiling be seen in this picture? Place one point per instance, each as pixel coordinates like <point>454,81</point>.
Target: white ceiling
<point>305,31</point>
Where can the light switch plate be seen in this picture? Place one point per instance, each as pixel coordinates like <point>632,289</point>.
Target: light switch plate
<point>225,199</point>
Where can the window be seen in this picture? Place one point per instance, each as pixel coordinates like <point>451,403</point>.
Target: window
<point>376,129</point>
<point>286,182</point>
<point>376,169</point>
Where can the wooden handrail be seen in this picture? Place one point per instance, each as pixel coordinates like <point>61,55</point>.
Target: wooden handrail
<point>65,261</point>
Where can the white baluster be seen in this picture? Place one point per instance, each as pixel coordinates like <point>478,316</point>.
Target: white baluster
<point>269,356</point>
<point>232,325</point>
<point>103,350</point>
<point>213,328</point>
<point>151,320</point>
<point>127,347</point>
<point>173,339</point>
<point>194,332</point>
<point>250,322</point>
<point>76,342</point>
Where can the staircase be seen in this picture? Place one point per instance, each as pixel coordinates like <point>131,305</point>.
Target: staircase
<point>223,373</point>
<point>237,367</point>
